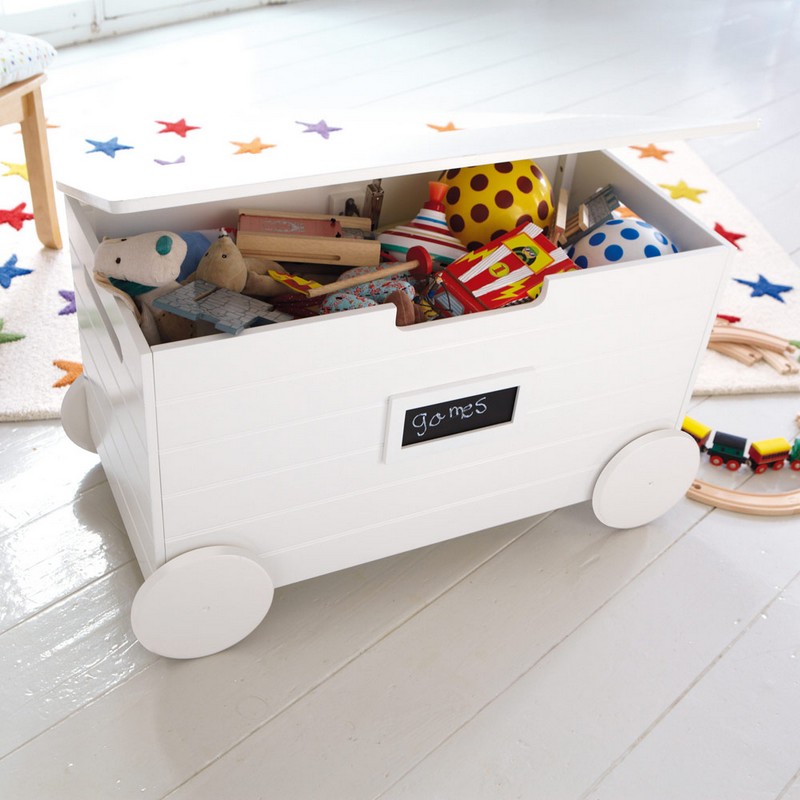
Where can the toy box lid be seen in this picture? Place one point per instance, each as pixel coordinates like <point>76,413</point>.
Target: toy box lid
<point>148,168</point>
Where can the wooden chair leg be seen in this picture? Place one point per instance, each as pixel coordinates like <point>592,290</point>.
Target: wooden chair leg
<point>37,157</point>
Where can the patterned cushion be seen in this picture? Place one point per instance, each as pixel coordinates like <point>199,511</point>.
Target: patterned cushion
<point>22,57</point>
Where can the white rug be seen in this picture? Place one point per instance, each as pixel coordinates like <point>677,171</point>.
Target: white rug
<point>764,283</point>
<point>40,354</point>
<point>39,348</point>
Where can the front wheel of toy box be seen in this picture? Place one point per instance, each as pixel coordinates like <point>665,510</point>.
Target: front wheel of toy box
<point>480,363</point>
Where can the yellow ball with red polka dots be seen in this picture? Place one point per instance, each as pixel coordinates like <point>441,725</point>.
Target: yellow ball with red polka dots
<point>485,202</point>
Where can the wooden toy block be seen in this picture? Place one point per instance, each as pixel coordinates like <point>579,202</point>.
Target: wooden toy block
<point>308,238</point>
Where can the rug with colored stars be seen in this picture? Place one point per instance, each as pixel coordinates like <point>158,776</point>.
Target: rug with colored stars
<point>39,348</point>
<point>763,287</point>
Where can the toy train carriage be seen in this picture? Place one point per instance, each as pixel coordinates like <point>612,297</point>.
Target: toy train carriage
<point>769,453</point>
<point>794,455</point>
<point>728,449</point>
<point>698,431</point>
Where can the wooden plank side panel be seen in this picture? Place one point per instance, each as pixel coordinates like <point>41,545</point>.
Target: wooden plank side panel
<point>337,436</point>
<point>307,541</point>
<point>118,370</point>
<point>554,437</point>
<point>322,498</point>
<point>125,466</point>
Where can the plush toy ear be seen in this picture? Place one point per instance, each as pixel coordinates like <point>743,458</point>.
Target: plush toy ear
<point>164,245</point>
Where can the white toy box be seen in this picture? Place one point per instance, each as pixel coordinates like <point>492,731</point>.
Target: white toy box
<point>242,463</point>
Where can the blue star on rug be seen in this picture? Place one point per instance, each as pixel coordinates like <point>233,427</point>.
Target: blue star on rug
<point>9,271</point>
<point>109,148</point>
<point>763,287</point>
<point>69,296</point>
<point>321,127</point>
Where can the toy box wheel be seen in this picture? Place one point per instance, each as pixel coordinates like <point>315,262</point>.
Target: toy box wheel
<point>201,602</point>
<point>645,479</point>
<point>75,415</point>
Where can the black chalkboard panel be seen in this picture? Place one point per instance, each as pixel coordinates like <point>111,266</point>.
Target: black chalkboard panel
<point>459,415</point>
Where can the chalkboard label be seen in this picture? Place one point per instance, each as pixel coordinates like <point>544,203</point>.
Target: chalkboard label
<point>463,414</point>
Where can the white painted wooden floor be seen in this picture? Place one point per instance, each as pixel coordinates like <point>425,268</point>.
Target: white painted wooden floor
<point>551,658</point>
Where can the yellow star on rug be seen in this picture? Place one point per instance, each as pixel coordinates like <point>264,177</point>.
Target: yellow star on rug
<point>651,151</point>
<point>443,128</point>
<point>15,169</point>
<point>255,146</point>
<point>682,189</point>
<point>73,370</point>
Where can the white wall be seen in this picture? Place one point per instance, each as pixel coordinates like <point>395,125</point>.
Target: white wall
<point>65,22</point>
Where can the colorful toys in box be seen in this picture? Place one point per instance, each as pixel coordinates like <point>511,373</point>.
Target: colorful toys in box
<point>510,269</point>
<point>374,292</point>
<point>428,229</point>
<point>483,203</point>
<point>619,240</point>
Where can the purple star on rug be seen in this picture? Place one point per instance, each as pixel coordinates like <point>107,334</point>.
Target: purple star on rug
<point>69,296</point>
<point>321,127</point>
<point>763,287</point>
<point>109,148</point>
<point>180,160</point>
<point>9,271</point>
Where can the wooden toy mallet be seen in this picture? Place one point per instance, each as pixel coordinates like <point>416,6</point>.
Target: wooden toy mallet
<point>419,265</point>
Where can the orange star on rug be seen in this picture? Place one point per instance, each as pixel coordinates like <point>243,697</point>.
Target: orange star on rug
<point>255,146</point>
<point>626,213</point>
<point>73,370</point>
<point>47,124</point>
<point>15,169</point>
<point>443,128</point>
<point>682,189</point>
<point>732,237</point>
<point>651,151</point>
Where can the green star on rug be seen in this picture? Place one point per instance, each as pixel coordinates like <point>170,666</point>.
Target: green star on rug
<point>9,337</point>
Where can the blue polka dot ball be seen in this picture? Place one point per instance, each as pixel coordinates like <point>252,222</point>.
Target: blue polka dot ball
<point>619,240</point>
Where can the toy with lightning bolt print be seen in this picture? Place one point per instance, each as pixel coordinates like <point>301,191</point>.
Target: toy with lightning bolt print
<point>509,269</point>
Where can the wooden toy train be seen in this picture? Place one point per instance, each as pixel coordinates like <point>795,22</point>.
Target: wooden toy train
<point>732,450</point>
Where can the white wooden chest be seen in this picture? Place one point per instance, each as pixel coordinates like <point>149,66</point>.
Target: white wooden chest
<point>248,462</point>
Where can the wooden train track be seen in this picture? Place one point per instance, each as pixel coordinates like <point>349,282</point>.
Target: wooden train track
<point>749,346</point>
<point>770,505</point>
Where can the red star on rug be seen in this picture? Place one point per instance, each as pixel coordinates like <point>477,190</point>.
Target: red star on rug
<point>72,369</point>
<point>15,216</point>
<point>651,151</point>
<point>732,237</point>
<point>180,127</point>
